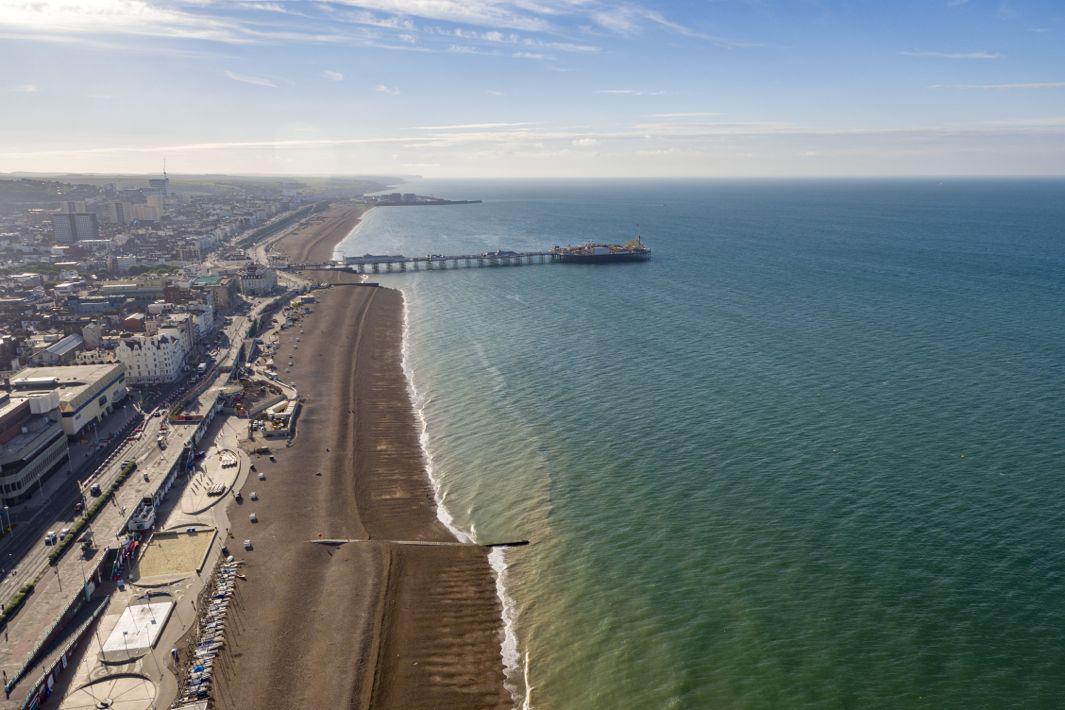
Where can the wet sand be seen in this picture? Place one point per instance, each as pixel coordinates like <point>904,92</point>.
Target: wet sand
<point>367,624</point>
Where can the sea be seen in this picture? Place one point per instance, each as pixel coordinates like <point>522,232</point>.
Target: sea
<point>811,455</point>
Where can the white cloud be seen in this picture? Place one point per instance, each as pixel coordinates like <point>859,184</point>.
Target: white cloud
<point>485,13</point>
<point>529,55</point>
<point>496,37</point>
<point>479,149</point>
<point>630,19</point>
<point>333,75</point>
<point>952,55</point>
<point>494,92</point>
<point>390,90</point>
<point>249,79</point>
<point>1033,86</point>
<point>26,89</point>
<point>115,17</point>
<point>360,22</point>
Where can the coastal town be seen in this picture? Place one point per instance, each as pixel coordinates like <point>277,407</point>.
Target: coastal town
<point>152,389</point>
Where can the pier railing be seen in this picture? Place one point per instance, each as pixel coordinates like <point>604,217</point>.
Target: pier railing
<point>432,262</point>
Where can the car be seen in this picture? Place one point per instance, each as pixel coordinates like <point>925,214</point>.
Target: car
<point>63,533</point>
<point>94,489</point>
<point>50,538</point>
<point>79,507</point>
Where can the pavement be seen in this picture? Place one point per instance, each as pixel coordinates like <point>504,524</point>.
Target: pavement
<point>209,473</point>
<point>22,554</point>
<point>58,584</point>
<point>154,673</point>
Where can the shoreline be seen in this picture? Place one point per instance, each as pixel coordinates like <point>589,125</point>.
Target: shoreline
<point>509,648</point>
<point>316,240</point>
<point>419,626</point>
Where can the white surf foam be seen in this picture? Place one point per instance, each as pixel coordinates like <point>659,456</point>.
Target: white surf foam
<point>419,403</point>
<point>512,665</point>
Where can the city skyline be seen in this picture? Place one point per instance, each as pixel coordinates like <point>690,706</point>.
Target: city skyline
<point>533,89</point>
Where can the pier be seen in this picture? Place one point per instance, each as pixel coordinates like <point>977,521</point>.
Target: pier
<point>372,264</point>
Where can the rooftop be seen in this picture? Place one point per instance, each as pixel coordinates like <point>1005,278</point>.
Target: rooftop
<point>64,346</point>
<point>72,381</point>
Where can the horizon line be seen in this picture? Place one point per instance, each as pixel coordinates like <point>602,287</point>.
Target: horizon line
<point>409,176</point>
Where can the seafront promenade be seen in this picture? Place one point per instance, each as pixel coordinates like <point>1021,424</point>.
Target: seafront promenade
<point>34,635</point>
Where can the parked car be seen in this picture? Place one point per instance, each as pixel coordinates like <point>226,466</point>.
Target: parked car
<point>79,507</point>
<point>50,538</point>
<point>94,489</point>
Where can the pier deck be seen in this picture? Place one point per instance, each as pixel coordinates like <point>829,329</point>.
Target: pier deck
<point>383,264</point>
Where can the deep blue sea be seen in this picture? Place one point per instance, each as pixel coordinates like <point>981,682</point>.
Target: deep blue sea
<point>812,455</point>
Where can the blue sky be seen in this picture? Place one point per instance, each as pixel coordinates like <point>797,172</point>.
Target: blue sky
<point>534,87</point>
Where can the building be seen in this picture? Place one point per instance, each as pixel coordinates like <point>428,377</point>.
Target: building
<point>92,334</point>
<point>86,393</point>
<point>144,290</point>
<point>257,280</point>
<point>151,360</point>
<point>61,352</point>
<point>223,290</point>
<point>71,227</point>
<point>134,323</point>
<point>162,185</point>
<point>202,317</point>
<point>144,213</point>
<point>117,213</point>
<point>181,326</point>
<point>33,446</point>
<point>97,356</point>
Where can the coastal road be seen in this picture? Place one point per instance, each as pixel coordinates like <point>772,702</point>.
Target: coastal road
<point>60,583</point>
<point>26,556</point>
<point>23,555</point>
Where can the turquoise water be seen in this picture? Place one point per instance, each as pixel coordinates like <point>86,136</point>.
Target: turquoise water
<point>811,456</point>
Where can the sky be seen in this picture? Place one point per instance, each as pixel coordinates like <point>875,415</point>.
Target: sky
<point>534,88</point>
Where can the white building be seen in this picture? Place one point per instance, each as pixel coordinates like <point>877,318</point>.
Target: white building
<point>151,360</point>
<point>85,393</point>
<point>257,281</point>
<point>181,326</point>
<point>202,318</point>
<point>98,356</point>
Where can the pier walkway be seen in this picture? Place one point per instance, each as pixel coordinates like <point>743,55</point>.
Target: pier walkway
<point>383,264</point>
